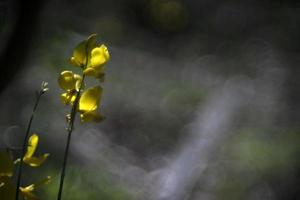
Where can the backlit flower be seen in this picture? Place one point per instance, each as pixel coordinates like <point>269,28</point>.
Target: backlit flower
<point>99,57</point>
<point>70,83</point>
<point>31,160</point>
<point>88,104</point>
<point>7,189</point>
<point>27,192</point>
<point>91,57</point>
<point>82,51</point>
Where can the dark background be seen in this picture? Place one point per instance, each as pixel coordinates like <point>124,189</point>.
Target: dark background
<point>174,64</point>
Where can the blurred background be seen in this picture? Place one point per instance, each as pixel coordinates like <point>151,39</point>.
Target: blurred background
<point>201,97</point>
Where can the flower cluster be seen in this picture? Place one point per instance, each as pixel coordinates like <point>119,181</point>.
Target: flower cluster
<point>7,189</point>
<point>91,59</point>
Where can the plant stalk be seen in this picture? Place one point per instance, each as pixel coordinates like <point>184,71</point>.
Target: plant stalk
<point>70,130</point>
<point>25,142</point>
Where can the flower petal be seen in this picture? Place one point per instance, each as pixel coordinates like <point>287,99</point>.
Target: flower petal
<point>99,56</point>
<point>79,54</point>
<point>82,51</point>
<point>97,73</point>
<point>36,161</point>
<point>90,99</point>
<point>78,80</point>
<point>68,98</point>
<point>92,116</point>
<point>28,194</point>
<point>91,42</point>
<point>6,164</point>
<point>74,62</point>
<point>90,71</point>
<point>67,80</point>
<point>32,145</point>
<point>27,191</point>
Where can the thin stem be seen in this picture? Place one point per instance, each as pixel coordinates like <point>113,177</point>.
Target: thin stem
<point>70,130</point>
<point>25,143</point>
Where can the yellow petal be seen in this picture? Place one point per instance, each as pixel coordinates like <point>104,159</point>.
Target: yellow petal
<point>92,116</point>
<point>28,188</point>
<point>36,161</point>
<point>32,187</point>
<point>68,98</point>
<point>79,54</point>
<point>74,62</point>
<point>64,98</point>
<point>6,164</point>
<point>90,99</point>
<point>27,191</point>
<point>32,145</point>
<point>28,195</point>
<point>91,42</point>
<point>90,71</point>
<point>97,73</point>
<point>99,56</point>
<point>67,80</point>
<point>78,80</point>
<point>82,50</point>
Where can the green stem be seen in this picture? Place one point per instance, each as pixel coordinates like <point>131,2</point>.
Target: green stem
<point>25,143</point>
<point>70,129</point>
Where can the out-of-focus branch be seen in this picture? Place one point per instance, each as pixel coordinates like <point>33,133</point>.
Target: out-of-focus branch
<point>20,21</point>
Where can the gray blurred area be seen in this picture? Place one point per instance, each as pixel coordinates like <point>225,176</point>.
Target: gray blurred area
<point>201,98</point>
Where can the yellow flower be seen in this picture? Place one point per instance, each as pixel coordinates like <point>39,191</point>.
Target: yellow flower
<point>91,57</point>
<point>88,104</point>
<point>31,148</point>
<point>99,57</point>
<point>7,189</point>
<point>82,51</point>
<point>27,191</point>
<point>70,83</point>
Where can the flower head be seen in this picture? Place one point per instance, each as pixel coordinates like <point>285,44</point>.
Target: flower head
<point>70,83</point>
<point>7,189</point>
<point>81,52</point>
<point>27,192</point>
<point>31,160</point>
<point>96,65</point>
<point>91,58</point>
